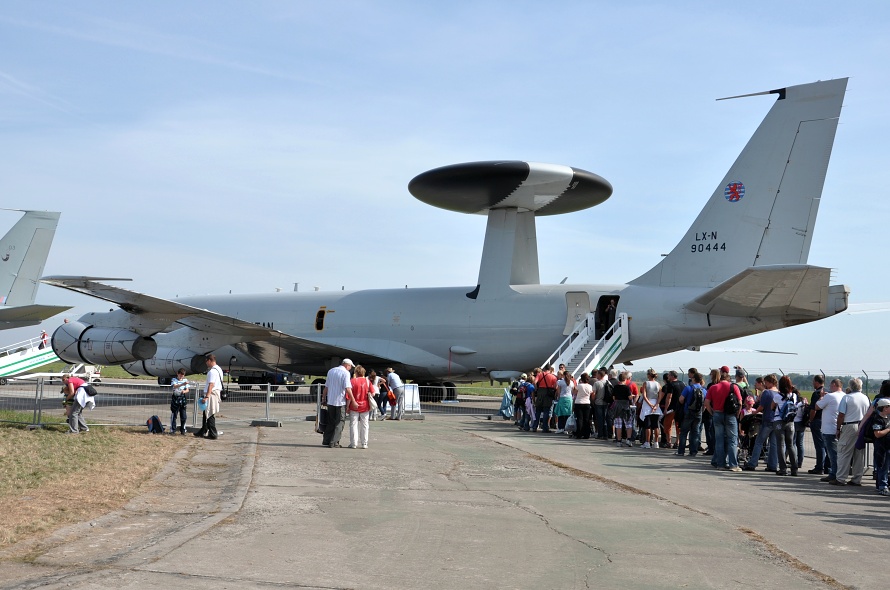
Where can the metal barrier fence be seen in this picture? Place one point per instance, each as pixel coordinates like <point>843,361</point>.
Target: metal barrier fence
<point>132,403</point>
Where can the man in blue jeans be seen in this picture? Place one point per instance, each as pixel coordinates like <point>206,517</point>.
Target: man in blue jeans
<point>822,464</point>
<point>726,425</point>
<point>829,405</point>
<point>768,414</point>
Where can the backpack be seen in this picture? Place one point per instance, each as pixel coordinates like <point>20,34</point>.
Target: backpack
<point>514,389</point>
<point>788,409</point>
<point>868,431</point>
<point>697,402</point>
<point>522,391</point>
<point>732,405</point>
<point>154,425</point>
<point>609,388</point>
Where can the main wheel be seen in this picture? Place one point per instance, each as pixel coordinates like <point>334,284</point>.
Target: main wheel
<point>432,392</point>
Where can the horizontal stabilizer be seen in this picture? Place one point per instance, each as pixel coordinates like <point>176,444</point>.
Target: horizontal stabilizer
<point>29,315</point>
<point>786,289</point>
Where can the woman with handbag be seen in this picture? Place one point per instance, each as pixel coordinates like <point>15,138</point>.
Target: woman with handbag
<point>358,408</point>
<point>563,409</point>
<point>381,392</point>
<point>583,391</point>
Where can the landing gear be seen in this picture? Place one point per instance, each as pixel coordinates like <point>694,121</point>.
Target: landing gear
<point>434,392</point>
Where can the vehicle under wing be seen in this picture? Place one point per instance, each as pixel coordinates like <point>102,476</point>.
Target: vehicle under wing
<point>270,347</point>
<point>777,290</point>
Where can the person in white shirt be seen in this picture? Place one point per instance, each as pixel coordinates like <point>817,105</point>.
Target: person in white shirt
<point>829,403</point>
<point>398,388</point>
<point>850,411</point>
<point>212,397</point>
<point>337,390</point>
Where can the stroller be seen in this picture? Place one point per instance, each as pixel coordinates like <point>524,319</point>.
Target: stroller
<point>750,426</point>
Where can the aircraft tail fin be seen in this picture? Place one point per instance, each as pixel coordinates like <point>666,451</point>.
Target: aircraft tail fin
<point>764,210</point>
<point>23,253</point>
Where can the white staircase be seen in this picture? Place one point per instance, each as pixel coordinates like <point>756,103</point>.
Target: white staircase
<point>582,353</point>
<point>25,356</point>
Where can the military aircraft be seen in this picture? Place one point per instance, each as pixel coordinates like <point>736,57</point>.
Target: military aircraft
<point>741,269</point>
<point>23,253</point>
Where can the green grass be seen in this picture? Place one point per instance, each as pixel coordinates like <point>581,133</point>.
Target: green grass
<point>29,459</point>
<point>49,478</point>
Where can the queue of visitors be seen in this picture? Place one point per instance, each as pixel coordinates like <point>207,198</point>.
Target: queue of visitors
<point>742,426</point>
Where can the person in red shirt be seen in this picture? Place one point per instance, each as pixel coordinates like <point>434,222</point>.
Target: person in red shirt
<point>69,388</point>
<point>358,407</point>
<point>726,424</point>
<point>545,395</point>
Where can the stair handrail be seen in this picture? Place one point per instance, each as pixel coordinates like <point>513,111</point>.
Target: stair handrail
<point>619,328</point>
<point>26,344</point>
<point>575,341</point>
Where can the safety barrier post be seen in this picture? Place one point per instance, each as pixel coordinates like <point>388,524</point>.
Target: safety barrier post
<point>268,399</point>
<point>38,399</point>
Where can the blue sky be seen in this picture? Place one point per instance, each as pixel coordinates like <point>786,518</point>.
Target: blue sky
<point>203,147</point>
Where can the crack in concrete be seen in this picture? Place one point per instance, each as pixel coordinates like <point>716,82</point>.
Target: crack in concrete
<point>791,560</point>
<point>547,523</point>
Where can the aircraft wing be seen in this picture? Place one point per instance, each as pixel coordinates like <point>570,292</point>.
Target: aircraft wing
<point>791,290</point>
<point>271,347</point>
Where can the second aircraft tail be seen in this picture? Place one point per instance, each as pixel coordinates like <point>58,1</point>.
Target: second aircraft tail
<point>23,253</point>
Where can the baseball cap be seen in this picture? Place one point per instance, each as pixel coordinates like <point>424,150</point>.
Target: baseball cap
<point>523,376</point>
<point>724,369</point>
<point>884,401</point>
<point>348,362</point>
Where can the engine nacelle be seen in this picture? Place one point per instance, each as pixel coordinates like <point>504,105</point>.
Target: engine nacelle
<point>75,342</point>
<point>167,361</point>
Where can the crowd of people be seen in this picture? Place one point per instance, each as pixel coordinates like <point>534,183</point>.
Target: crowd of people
<point>741,424</point>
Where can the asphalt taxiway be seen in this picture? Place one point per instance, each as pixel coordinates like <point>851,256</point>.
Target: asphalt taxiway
<point>462,502</point>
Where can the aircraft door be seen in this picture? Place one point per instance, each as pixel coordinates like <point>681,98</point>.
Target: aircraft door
<point>606,312</point>
<point>577,308</point>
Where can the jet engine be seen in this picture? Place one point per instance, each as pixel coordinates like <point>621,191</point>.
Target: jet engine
<point>75,342</point>
<point>166,362</point>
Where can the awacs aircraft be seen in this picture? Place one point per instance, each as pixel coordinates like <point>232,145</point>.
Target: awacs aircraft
<point>741,269</point>
<point>23,252</point>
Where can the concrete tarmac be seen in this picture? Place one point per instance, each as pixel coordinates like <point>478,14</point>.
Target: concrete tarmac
<point>463,503</point>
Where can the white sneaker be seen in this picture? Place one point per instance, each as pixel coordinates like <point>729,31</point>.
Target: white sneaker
<point>558,431</point>
<point>645,446</point>
<point>364,446</point>
<point>629,443</point>
<point>655,445</point>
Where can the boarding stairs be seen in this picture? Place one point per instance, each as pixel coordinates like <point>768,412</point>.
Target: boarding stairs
<point>582,352</point>
<point>21,357</point>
